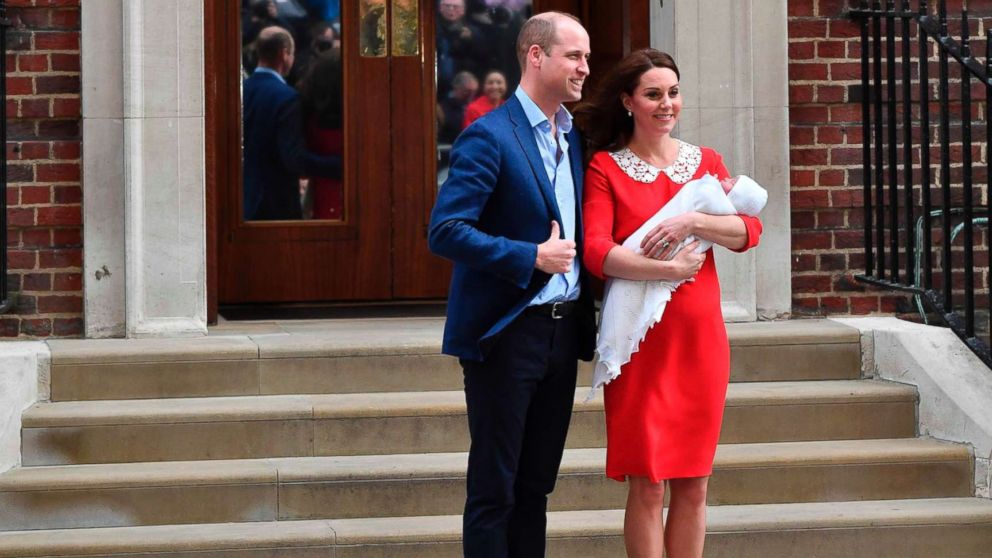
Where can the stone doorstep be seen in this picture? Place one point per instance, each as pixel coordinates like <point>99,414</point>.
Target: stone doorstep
<point>319,358</point>
<point>386,373</point>
<point>374,338</point>
<point>396,423</point>
<point>410,404</point>
<point>361,486</point>
<point>450,465</point>
<point>757,520</point>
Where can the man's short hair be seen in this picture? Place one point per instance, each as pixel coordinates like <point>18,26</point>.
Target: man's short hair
<point>541,30</point>
<point>462,79</point>
<point>270,45</point>
<point>321,27</point>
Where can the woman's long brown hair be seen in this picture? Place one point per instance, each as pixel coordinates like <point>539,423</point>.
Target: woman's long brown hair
<point>603,119</point>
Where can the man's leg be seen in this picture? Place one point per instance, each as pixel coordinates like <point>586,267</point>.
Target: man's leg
<point>498,393</point>
<point>544,441</point>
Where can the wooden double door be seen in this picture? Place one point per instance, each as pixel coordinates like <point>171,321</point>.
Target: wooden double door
<point>369,242</point>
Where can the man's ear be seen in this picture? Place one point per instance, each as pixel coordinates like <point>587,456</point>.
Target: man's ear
<point>535,55</point>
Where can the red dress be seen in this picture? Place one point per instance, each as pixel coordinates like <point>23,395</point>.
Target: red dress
<point>664,412</point>
<point>477,109</point>
<point>328,193</point>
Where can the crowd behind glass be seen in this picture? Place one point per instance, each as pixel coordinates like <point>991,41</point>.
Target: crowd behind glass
<point>476,68</point>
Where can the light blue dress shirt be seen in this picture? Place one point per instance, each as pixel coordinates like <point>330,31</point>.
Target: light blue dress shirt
<point>563,286</point>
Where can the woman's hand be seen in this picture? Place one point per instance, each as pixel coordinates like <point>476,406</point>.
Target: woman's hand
<point>687,263</point>
<point>660,243</point>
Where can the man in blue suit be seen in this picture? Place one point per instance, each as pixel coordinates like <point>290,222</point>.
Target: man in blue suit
<point>519,309</point>
<point>275,156</point>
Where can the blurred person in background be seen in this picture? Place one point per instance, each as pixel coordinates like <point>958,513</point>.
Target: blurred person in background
<point>321,90</point>
<point>275,156</point>
<point>464,89</point>
<point>327,10</point>
<point>493,95</point>
<point>323,37</point>
<point>458,44</point>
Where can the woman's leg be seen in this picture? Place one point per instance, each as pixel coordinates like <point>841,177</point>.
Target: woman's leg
<point>686,518</point>
<point>643,527</point>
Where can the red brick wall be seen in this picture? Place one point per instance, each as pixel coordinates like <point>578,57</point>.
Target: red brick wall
<point>44,194</point>
<point>826,155</point>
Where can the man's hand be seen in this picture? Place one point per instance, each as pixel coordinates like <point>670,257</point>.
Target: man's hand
<point>555,255</point>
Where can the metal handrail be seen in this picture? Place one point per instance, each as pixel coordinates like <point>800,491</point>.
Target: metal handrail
<point>6,299</point>
<point>918,250</point>
<point>890,208</point>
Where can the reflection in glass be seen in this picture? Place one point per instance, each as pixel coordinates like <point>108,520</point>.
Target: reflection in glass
<point>476,64</point>
<point>406,27</point>
<point>292,110</point>
<point>372,36</point>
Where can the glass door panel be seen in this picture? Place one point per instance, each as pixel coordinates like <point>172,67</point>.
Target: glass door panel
<point>293,223</point>
<point>336,209</point>
<point>293,118</point>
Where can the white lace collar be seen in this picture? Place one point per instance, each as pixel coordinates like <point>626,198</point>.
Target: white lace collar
<point>680,171</point>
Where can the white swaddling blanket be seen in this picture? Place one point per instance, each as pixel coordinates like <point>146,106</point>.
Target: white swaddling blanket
<point>630,308</point>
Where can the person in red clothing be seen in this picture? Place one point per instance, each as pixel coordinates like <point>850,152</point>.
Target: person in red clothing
<point>493,93</point>
<point>322,89</point>
<point>664,412</point>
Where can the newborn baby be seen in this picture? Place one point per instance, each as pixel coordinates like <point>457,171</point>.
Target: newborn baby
<point>631,308</point>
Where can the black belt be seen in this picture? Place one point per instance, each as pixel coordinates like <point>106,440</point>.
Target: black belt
<point>553,310</point>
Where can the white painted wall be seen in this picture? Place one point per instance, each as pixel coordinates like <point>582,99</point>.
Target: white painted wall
<point>104,278</point>
<point>955,386</point>
<point>733,60</point>
<point>143,167</point>
<point>24,380</point>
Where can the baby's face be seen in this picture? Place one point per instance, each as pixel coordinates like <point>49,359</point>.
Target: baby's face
<point>728,183</point>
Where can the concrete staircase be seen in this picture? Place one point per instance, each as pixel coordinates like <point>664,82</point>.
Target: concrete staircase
<point>348,439</point>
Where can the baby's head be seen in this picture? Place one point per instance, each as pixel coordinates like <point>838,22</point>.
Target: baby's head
<point>728,183</point>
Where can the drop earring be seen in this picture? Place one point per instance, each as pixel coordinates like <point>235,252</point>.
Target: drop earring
<point>630,114</point>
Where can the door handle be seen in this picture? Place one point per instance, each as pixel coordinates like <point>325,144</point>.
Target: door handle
<point>405,30</point>
<point>401,35</point>
<point>372,28</point>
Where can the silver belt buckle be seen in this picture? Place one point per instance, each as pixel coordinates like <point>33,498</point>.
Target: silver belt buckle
<point>554,311</point>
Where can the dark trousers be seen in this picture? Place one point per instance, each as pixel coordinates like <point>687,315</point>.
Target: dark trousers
<point>519,405</point>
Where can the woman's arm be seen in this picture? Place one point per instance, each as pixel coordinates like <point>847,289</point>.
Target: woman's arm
<point>735,232</point>
<point>604,257</point>
<point>623,263</point>
<point>726,230</point>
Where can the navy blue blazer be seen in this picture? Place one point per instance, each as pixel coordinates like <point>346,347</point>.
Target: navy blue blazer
<point>491,213</point>
<point>275,153</point>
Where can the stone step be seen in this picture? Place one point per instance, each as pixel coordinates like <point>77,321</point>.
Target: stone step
<point>923,528</point>
<point>430,484</point>
<point>417,422</point>
<point>357,356</point>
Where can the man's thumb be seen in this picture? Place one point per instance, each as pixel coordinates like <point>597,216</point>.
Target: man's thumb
<point>554,231</point>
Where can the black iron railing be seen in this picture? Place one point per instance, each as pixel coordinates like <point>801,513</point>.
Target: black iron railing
<point>899,205</point>
<point>6,299</point>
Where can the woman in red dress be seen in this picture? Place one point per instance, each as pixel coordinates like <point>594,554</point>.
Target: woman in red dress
<point>493,92</point>
<point>664,412</point>
<point>321,91</point>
